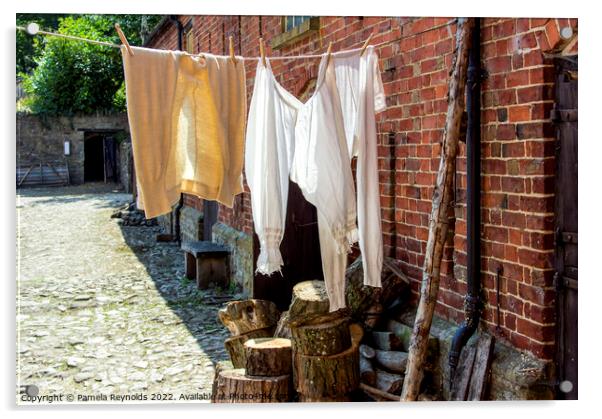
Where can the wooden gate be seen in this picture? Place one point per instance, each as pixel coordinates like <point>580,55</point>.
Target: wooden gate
<point>42,173</point>
<point>300,250</point>
<point>564,116</point>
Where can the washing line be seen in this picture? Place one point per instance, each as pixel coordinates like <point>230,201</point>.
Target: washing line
<point>292,57</point>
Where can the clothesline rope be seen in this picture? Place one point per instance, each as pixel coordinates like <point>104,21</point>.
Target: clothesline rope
<point>73,38</point>
<point>291,57</point>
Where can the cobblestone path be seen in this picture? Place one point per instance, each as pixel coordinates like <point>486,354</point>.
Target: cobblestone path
<point>105,309</point>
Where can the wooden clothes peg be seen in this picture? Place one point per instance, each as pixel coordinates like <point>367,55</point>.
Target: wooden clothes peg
<point>366,44</point>
<point>231,46</point>
<point>124,40</point>
<point>328,53</point>
<point>262,51</point>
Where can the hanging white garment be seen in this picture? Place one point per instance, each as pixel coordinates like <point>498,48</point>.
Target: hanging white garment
<point>268,158</point>
<point>362,95</point>
<point>307,140</point>
<point>322,169</point>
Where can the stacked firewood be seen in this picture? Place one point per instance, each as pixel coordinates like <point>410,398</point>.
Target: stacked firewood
<point>331,355</point>
<point>383,359</point>
<point>325,346</point>
<point>261,366</point>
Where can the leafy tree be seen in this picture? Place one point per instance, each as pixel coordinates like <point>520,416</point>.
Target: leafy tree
<point>79,77</point>
<point>30,47</point>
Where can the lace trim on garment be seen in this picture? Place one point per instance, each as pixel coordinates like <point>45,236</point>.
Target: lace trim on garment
<point>345,236</point>
<point>270,258</point>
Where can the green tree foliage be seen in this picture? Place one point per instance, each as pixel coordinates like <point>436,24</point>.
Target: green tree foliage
<point>79,77</point>
<point>30,47</point>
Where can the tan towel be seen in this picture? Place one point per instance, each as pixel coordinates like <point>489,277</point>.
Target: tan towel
<point>187,121</point>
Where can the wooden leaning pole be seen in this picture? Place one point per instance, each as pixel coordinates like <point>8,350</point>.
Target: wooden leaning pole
<point>438,223</point>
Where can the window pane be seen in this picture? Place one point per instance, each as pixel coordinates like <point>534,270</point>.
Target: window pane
<point>291,22</point>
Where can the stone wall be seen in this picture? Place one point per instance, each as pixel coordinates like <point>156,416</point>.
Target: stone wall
<point>125,165</point>
<point>515,374</point>
<point>241,258</point>
<point>42,137</point>
<point>191,224</point>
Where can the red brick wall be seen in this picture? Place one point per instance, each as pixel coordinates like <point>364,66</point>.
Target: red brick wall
<point>517,156</point>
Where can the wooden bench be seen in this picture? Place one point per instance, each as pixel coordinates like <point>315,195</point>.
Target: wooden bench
<point>207,262</point>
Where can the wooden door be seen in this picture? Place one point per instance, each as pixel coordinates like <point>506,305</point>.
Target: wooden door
<point>300,250</point>
<point>564,116</point>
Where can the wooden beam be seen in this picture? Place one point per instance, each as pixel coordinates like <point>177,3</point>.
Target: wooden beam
<point>481,368</point>
<point>462,375</point>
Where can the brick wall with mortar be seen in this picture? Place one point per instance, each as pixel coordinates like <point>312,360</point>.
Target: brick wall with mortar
<point>43,137</point>
<point>517,154</point>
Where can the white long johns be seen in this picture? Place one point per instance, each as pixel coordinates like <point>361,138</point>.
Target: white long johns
<point>314,142</point>
<point>268,157</point>
<point>362,95</point>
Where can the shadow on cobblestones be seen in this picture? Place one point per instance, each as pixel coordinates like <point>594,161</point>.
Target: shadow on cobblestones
<point>103,308</point>
<point>196,309</point>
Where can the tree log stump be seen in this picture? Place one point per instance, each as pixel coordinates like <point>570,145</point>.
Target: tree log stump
<point>329,376</point>
<point>390,383</point>
<point>367,373</point>
<point>394,361</point>
<point>310,304</point>
<point>268,357</point>
<point>242,317</point>
<point>233,386</point>
<point>219,367</point>
<point>322,339</point>
<point>235,345</point>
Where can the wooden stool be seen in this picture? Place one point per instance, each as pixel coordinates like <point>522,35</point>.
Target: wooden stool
<point>207,262</point>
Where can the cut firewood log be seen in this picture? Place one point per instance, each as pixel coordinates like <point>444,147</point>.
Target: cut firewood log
<point>367,352</point>
<point>310,303</point>
<point>366,302</point>
<point>322,339</point>
<point>283,328</point>
<point>388,382</point>
<point>331,375</point>
<point>394,361</point>
<point>268,357</point>
<point>219,367</point>
<point>372,316</point>
<point>235,345</point>
<point>386,341</point>
<point>404,334</point>
<point>367,373</point>
<point>242,317</point>
<point>378,394</point>
<point>234,386</point>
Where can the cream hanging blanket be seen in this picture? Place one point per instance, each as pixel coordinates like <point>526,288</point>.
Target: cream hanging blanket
<point>187,122</point>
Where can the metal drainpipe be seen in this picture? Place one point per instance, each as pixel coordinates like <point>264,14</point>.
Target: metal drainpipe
<point>178,209</point>
<point>472,303</point>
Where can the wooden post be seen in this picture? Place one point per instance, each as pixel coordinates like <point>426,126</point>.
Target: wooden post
<point>438,223</point>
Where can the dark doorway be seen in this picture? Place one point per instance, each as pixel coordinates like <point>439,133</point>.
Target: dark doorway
<point>564,116</point>
<point>100,157</point>
<point>300,250</point>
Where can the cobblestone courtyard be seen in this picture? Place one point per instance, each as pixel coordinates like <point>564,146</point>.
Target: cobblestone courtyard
<point>105,309</point>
